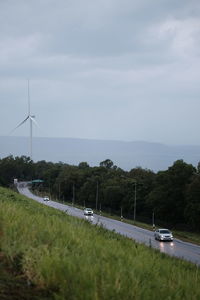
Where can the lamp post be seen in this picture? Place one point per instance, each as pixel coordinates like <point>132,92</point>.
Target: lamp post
<point>49,189</point>
<point>97,195</point>
<point>59,190</point>
<point>73,198</point>
<point>135,195</point>
<point>135,202</point>
<point>153,220</point>
<point>121,218</point>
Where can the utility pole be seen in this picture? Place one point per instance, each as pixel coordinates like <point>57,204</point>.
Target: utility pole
<point>135,202</point>
<point>49,189</point>
<point>73,199</point>
<point>153,220</point>
<point>59,190</point>
<point>121,215</point>
<point>97,195</point>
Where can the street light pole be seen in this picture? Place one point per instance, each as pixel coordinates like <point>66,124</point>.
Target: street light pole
<point>59,190</point>
<point>49,189</point>
<point>135,195</point>
<point>73,199</point>
<point>97,195</point>
<point>135,202</point>
<point>153,220</point>
<point>121,217</point>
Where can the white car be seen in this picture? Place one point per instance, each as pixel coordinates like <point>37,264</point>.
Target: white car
<point>46,198</point>
<point>88,212</point>
<point>163,234</point>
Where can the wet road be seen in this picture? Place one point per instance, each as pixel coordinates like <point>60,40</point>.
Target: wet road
<point>176,248</point>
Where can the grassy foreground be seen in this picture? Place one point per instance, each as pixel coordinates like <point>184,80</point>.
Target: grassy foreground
<point>67,258</point>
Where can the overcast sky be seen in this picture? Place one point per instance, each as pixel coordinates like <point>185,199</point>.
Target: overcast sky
<point>102,69</point>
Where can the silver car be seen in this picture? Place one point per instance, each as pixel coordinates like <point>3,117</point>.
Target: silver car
<point>46,198</point>
<point>163,235</point>
<point>88,212</point>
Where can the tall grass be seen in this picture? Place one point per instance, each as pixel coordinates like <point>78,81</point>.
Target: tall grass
<point>75,260</point>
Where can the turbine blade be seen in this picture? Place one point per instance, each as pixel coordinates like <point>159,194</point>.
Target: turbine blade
<point>34,121</point>
<point>19,125</point>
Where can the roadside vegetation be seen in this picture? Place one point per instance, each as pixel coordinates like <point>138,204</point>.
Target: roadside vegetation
<point>169,198</point>
<point>14,284</point>
<point>68,258</point>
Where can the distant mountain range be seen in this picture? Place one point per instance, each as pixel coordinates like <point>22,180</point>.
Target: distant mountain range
<point>125,155</point>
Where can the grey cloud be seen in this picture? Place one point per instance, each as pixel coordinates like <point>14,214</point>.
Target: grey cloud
<point>102,69</point>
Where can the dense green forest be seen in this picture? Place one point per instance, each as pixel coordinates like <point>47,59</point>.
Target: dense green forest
<point>169,198</point>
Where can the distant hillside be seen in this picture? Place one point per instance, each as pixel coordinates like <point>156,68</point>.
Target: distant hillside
<point>125,155</point>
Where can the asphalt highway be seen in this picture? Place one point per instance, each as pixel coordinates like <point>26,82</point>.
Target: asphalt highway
<point>178,248</point>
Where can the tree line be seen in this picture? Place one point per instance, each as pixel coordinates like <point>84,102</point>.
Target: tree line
<point>170,198</point>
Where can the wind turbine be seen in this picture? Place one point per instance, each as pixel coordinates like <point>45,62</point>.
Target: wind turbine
<point>31,119</point>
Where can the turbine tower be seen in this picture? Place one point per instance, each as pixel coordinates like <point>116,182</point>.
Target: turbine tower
<point>31,119</point>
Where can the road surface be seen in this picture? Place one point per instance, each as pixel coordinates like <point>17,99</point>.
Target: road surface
<point>178,248</point>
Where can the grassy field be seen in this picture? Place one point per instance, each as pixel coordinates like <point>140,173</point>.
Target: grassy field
<point>14,284</point>
<point>60,257</point>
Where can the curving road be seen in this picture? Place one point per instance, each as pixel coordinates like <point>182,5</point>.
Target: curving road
<point>178,248</point>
